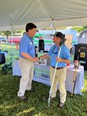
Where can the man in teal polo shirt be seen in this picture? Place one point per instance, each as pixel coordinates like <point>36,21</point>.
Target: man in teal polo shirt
<point>63,60</point>
<point>26,60</point>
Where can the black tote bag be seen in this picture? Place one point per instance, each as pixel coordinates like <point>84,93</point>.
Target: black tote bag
<point>2,58</point>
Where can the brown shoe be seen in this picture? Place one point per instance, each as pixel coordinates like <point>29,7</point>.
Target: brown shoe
<point>23,98</point>
<point>61,105</point>
<point>31,90</point>
<point>52,97</point>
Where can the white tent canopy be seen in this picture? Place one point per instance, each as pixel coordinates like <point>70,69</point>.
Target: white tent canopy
<point>16,13</point>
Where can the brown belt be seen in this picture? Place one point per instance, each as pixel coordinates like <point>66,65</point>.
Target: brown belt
<point>58,68</point>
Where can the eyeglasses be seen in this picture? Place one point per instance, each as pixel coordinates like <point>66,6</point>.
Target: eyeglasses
<point>55,51</point>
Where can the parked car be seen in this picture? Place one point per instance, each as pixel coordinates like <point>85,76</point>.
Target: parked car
<point>2,39</point>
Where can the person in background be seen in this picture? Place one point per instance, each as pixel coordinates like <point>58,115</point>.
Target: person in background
<point>63,59</point>
<point>26,60</point>
<point>17,44</point>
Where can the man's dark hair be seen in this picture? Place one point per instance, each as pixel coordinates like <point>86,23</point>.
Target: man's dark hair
<point>30,26</point>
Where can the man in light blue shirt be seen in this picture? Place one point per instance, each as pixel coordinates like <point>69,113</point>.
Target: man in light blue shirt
<point>63,60</point>
<point>26,60</point>
<point>26,46</point>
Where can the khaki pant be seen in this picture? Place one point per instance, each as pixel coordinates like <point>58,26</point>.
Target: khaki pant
<point>27,68</point>
<point>60,80</point>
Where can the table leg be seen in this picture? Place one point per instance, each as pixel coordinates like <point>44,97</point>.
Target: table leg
<point>74,81</point>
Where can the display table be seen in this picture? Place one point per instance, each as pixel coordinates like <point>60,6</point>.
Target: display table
<point>41,74</point>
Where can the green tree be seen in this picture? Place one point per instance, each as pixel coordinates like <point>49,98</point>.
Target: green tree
<point>6,33</point>
<point>79,28</point>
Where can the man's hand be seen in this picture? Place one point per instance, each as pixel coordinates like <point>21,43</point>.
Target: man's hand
<point>44,56</point>
<point>59,59</point>
<point>63,60</point>
<point>35,59</point>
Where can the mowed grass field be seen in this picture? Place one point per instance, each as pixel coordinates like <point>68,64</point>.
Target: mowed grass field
<point>37,104</point>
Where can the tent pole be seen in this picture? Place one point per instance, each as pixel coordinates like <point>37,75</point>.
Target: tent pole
<point>12,53</point>
<point>53,25</point>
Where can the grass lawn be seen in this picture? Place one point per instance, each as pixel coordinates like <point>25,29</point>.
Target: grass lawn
<point>37,102</point>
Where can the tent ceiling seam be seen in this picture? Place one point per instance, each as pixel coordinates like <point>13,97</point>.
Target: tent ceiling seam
<point>46,10</point>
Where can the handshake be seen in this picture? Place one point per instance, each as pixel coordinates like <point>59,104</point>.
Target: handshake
<point>37,59</point>
<point>40,59</point>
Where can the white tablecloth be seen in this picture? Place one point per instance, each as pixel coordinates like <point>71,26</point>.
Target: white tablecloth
<point>41,74</point>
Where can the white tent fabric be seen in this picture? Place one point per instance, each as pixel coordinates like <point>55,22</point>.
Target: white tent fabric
<point>44,13</point>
